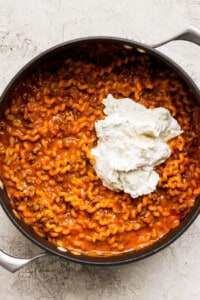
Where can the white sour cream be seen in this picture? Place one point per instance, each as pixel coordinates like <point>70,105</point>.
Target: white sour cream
<point>131,142</point>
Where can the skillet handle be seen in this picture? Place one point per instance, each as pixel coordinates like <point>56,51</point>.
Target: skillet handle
<point>13,264</point>
<point>191,34</point>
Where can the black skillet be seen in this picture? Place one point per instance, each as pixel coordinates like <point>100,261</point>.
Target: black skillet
<point>12,263</point>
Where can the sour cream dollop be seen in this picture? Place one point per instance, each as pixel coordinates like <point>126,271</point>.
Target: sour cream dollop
<point>131,142</point>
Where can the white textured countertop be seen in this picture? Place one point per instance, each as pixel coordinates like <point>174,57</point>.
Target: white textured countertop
<point>28,27</point>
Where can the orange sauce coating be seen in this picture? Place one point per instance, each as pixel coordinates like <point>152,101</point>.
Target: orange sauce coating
<point>47,131</point>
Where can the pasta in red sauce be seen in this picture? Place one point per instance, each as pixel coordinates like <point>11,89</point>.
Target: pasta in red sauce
<point>47,131</point>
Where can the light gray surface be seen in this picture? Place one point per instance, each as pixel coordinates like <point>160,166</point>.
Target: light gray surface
<point>26,28</point>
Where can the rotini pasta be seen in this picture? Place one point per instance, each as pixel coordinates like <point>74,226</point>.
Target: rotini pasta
<point>47,131</point>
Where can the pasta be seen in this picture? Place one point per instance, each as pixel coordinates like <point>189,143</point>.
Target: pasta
<point>47,131</point>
